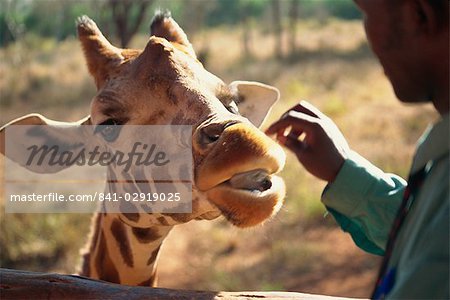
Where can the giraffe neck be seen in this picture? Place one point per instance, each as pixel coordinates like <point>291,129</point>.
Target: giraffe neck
<point>123,254</point>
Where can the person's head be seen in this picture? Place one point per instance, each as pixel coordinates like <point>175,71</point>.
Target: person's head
<point>411,40</point>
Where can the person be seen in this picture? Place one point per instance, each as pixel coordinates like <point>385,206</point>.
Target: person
<point>406,221</point>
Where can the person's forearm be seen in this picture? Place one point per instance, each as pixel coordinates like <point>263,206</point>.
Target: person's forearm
<point>364,200</point>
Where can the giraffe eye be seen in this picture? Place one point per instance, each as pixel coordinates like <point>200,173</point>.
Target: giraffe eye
<point>109,130</point>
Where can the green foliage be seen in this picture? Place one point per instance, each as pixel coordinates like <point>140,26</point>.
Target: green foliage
<point>61,24</point>
<point>12,18</point>
<point>341,9</point>
<point>41,240</point>
<point>344,9</point>
<point>231,11</point>
<point>44,18</point>
<point>56,18</point>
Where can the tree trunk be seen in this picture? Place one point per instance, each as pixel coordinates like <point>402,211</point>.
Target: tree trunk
<point>246,37</point>
<point>126,27</point>
<point>293,18</point>
<point>278,31</point>
<point>15,284</point>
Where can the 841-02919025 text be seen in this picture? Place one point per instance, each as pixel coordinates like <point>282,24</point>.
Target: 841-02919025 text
<point>102,197</point>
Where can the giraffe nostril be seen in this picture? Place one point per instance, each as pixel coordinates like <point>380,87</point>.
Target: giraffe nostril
<point>212,132</point>
<point>214,137</point>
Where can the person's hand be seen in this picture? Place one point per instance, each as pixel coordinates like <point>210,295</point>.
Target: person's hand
<point>314,138</point>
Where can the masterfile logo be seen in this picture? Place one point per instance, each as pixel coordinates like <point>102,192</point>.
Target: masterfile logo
<point>131,169</point>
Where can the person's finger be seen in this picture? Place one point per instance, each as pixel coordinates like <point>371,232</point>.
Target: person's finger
<point>300,107</point>
<point>281,138</point>
<point>297,120</point>
<point>294,133</point>
<point>310,109</point>
<point>294,145</point>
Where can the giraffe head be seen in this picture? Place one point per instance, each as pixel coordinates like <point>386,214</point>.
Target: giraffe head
<point>233,161</point>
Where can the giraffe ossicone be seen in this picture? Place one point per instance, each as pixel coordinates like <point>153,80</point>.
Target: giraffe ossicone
<point>233,162</point>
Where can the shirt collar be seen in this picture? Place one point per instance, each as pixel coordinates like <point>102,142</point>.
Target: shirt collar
<point>433,144</point>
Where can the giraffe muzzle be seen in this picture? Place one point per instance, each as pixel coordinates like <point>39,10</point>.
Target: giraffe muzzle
<point>238,175</point>
<point>242,155</point>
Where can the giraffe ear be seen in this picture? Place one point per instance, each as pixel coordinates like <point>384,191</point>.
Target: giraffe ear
<point>17,142</point>
<point>255,100</point>
<point>101,57</point>
<point>164,26</point>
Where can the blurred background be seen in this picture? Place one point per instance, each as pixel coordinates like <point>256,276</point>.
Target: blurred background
<point>309,49</point>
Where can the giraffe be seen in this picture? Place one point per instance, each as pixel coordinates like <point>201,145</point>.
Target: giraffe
<point>234,163</point>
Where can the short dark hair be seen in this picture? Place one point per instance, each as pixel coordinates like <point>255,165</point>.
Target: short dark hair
<point>441,7</point>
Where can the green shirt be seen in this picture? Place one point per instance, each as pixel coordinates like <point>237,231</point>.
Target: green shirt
<point>364,201</point>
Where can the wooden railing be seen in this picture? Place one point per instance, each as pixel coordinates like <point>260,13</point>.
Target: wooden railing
<point>16,284</point>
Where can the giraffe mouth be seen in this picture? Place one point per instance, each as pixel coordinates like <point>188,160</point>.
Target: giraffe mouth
<point>248,198</point>
<point>254,181</point>
<point>255,184</point>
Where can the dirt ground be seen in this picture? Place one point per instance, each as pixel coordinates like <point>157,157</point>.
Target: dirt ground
<point>337,267</point>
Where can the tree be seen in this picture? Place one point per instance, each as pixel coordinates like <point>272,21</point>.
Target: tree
<point>277,28</point>
<point>246,8</point>
<point>293,17</point>
<point>128,16</point>
<point>12,18</point>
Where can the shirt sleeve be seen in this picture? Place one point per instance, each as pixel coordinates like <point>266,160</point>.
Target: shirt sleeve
<point>364,201</point>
